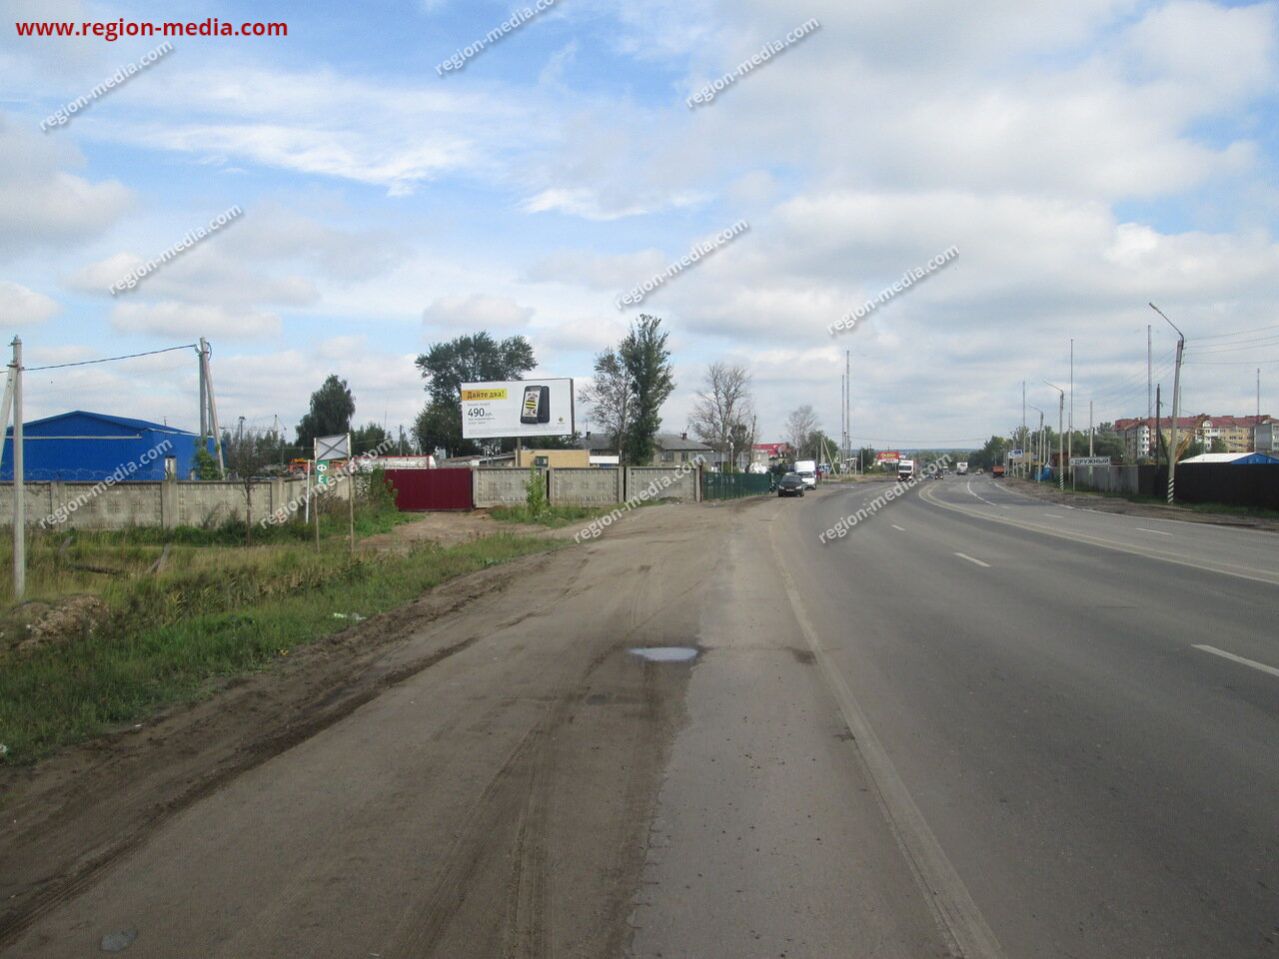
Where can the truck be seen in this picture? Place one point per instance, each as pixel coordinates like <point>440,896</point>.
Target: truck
<point>961,468</point>
<point>905,469</point>
<point>997,471</point>
<point>807,470</point>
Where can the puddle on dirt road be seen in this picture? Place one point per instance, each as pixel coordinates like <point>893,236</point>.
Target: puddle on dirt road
<point>665,654</point>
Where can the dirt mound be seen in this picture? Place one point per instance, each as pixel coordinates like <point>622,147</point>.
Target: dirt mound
<point>37,624</point>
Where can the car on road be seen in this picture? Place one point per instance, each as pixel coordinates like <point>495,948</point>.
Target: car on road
<point>792,484</point>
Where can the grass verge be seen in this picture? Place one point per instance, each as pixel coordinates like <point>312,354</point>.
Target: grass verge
<point>167,637</point>
<point>553,517</point>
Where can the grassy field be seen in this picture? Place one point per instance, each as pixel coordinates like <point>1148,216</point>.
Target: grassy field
<point>214,610</point>
<point>552,517</point>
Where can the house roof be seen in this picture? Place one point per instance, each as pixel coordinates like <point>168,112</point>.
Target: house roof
<point>120,421</point>
<point>1229,458</point>
<point>677,441</point>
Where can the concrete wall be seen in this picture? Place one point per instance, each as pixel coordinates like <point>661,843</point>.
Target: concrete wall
<point>500,487</point>
<point>169,504</point>
<point>585,487</point>
<point>663,483</point>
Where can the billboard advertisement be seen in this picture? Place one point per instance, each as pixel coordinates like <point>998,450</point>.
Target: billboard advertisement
<point>517,408</point>
<point>887,458</point>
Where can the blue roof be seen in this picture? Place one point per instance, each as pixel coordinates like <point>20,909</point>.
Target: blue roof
<point>123,421</point>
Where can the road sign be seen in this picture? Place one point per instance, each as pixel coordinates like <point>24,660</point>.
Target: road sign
<point>1090,461</point>
<point>333,447</point>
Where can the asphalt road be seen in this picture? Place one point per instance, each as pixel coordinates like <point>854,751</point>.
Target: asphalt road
<point>976,725</point>
<point>1100,784</point>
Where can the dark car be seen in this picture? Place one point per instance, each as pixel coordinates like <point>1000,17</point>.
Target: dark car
<point>792,484</point>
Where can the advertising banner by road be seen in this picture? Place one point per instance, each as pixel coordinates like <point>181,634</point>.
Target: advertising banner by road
<point>517,408</point>
<point>887,458</point>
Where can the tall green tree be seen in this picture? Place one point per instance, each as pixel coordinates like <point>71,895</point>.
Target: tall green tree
<point>470,358</point>
<point>367,438</point>
<point>648,363</point>
<point>332,407</point>
<point>609,396</point>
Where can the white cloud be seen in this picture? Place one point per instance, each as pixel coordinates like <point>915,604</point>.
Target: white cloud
<point>178,319</point>
<point>478,311</point>
<point>22,307</point>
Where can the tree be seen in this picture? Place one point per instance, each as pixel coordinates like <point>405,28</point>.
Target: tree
<point>332,407</point>
<point>367,438</point>
<point>647,362</point>
<point>247,452</point>
<point>722,415</point>
<point>866,455</point>
<point>471,358</point>
<point>610,396</point>
<point>1218,445</point>
<point>800,426</point>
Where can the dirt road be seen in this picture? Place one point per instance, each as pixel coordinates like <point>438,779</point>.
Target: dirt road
<point>493,772</point>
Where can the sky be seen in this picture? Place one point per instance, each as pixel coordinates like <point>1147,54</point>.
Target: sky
<point>1084,159</point>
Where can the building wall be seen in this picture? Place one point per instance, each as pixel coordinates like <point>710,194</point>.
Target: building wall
<point>554,458</point>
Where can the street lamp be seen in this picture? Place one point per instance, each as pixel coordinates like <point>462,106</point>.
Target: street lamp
<point>1061,412</point>
<point>1176,396</point>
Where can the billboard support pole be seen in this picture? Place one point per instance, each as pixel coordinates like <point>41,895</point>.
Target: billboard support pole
<point>350,493</point>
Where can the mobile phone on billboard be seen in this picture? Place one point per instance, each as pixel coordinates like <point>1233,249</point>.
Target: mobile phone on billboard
<point>536,407</point>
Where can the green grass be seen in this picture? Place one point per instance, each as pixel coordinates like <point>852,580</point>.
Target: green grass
<point>552,516</point>
<point>215,613</point>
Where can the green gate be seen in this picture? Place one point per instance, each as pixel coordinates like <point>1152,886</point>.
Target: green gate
<point>735,485</point>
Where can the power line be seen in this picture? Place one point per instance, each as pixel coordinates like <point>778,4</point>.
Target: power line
<point>1222,336</point>
<point>111,359</point>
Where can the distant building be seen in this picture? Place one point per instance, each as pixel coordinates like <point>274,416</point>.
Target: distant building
<point>90,447</point>
<point>669,449</point>
<point>1238,433</point>
<point>770,454</point>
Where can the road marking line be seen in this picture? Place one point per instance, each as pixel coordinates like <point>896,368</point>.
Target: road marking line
<point>1054,516</point>
<point>1238,659</point>
<point>1225,569</point>
<point>979,496</point>
<point>971,560</point>
<point>956,913</point>
<point>902,528</point>
<point>1157,532</point>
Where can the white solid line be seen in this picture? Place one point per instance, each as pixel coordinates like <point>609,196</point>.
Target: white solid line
<point>1157,532</point>
<point>1238,659</point>
<point>971,560</point>
<point>958,917</point>
<point>902,528</point>
<point>1054,516</point>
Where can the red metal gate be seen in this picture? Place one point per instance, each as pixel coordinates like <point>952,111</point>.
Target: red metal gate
<point>431,489</point>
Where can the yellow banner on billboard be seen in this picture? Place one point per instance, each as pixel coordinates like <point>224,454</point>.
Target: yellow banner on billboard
<point>469,395</point>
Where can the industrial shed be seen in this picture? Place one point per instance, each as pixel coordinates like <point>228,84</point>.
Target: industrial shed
<point>89,447</point>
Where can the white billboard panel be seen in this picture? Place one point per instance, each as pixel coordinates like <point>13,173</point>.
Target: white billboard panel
<point>517,408</point>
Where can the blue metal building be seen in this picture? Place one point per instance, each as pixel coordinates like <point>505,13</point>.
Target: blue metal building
<point>89,447</point>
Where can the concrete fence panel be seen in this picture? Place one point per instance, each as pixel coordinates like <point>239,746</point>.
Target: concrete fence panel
<point>675,483</point>
<point>586,486</point>
<point>501,487</point>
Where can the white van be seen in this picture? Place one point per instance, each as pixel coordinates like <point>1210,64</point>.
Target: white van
<point>905,469</point>
<point>807,470</point>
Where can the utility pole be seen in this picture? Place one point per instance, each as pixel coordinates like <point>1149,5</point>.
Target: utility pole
<point>848,404</point>
<point>19,475</point>
<point>1061,415</point>
<point>1150,379</point>
<point>1070,436</point>
<point>1022,444</point>
<point>1176,396</point>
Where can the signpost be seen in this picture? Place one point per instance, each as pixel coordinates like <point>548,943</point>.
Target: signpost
<point>328,449</point>
<point>1089,461</point>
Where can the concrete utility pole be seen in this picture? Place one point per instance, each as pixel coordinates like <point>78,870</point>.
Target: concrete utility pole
<point>1036,456</point>
<point>1022,444</point>
<point>1176,396</point>
<point>19,475</point>
<point>1061,416</point>
<point>1070,435</point>
<point>1149,377</point>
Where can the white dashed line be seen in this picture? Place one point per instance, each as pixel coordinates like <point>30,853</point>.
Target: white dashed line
<point>971,560</point>
<point>901,528</point>
<point>1238,659</point>
<point>1157,532</point>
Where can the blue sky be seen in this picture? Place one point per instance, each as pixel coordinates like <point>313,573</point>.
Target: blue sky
<point>1084,161</point>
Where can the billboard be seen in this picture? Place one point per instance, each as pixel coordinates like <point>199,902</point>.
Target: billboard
<point>887,458</point>
<point>517,408</point>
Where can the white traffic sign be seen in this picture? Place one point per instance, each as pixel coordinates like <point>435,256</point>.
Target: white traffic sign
<point>1090,461</point>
